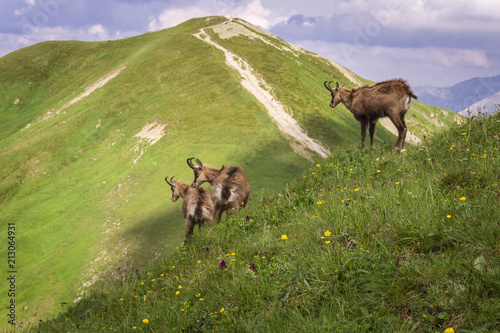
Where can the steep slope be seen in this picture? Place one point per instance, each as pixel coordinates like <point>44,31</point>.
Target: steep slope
<point>357,243</point>
<point>89,131</point>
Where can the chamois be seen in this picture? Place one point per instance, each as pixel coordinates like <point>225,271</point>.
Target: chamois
<point>229,186</point>
<point>368,103</point>
<point>197,206</point>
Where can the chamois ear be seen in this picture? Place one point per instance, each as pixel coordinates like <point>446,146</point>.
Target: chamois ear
<point>337,85</point>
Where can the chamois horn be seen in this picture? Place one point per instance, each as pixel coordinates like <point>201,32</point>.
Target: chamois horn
<point>169,182</point>
<point>328,86</point>
<point>190,163</point>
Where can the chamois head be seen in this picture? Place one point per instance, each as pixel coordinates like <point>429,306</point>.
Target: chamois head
<point>175,189</point>
<point>200,174</point>
<point>334,92</point>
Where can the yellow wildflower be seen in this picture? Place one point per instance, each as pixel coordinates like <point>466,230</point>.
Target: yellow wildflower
<point>462,199</point>
<point>221,310</point>
<point>284,237</point>
<point>327,233</point>
<point>145,321</point>
<point>449,330</point>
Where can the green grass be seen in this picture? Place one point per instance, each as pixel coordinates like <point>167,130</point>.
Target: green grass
<point>359,242</point>
<point>82,208</point>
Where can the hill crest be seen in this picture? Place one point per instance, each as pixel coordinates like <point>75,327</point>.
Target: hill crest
<point>80,179</point>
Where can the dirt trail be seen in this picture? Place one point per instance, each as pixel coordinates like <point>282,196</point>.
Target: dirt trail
<point>262,91</point>
<point>90,89</point>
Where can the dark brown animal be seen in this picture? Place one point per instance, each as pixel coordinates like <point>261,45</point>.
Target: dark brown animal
<point>385,99</point>
<point>230,189</point>
<point>197,206</point>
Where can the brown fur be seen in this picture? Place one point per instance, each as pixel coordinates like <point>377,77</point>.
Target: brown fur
<point>385,99</point>
<point>229,186</point>
<point>197,206</point>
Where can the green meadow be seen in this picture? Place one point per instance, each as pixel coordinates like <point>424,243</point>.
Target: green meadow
<point>88,197</point>
<point>359,242</point>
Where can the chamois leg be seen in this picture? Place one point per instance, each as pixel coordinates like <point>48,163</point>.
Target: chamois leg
<point>230,211</point>
<point>363,134</point>
<point>218,210</point>
<point>406,129</point>
<point>372,132</point>
<point>208,221</point>
<point>397,121</point>
<point>189,230</point>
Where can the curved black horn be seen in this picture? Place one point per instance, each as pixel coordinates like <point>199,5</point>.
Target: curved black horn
<point>199,163</point>
<point>190,163</point>
<point>169,182</point>
<point>327,85</point>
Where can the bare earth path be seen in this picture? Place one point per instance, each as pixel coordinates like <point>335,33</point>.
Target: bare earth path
<point>262,91</point>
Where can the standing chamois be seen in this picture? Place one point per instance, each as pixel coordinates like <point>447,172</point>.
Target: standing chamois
<point>197,206</point>
<point>229,186</point>
<point>368,103</point>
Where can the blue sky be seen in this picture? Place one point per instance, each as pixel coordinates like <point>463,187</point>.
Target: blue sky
<point>436,43</point>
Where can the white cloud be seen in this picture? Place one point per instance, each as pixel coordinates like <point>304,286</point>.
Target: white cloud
<point>22,11</point>
<point>456,16</point>
<point>253,12</point>
<point>444,57</point>
<point>171,17</point>
<point>99,31</point>
<point>421,66</point>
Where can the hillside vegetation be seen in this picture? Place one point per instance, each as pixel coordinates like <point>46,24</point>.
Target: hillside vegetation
<point>82,169</point>
<point>360,242</point>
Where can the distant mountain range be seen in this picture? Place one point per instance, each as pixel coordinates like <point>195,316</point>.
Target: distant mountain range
<point>482,93</point>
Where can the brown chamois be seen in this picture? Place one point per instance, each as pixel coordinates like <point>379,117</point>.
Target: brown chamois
<point>229,186</point>
<point>197,205</point>
<point>368,103</point>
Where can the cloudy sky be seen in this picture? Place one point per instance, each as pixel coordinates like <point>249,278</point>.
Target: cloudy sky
<point>437,43</point>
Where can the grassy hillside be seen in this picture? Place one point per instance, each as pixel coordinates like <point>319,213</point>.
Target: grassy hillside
<point>87,195</point>
<point>360,242</point>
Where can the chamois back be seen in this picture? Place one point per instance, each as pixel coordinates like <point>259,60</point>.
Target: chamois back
<point>369,103</point>
<point>197,206</point>
<point>230,188</point>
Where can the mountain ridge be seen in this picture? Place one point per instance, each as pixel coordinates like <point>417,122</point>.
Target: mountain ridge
<point>462,95</point>
<point>87,190</point>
